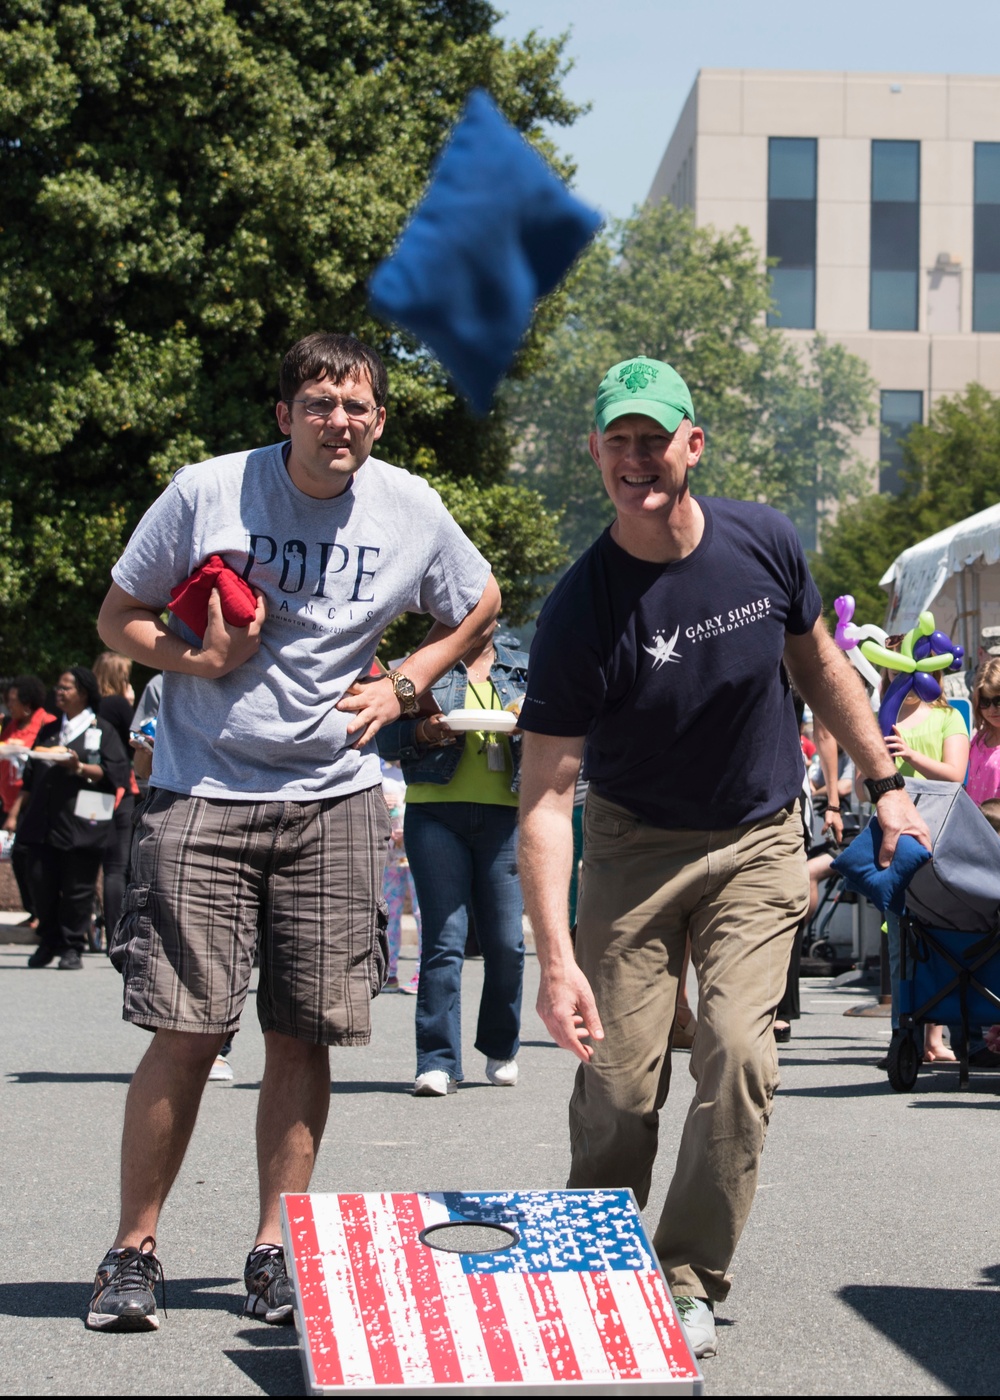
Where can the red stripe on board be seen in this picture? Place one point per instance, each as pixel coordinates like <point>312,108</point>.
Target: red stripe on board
<point>386,1369</point>
<point>610,1328</point>
<point>493,1325</point>
<point>667,1325</point>
<point>423,1278</point>
<point>314,1296</point>
<point>551,1328</point>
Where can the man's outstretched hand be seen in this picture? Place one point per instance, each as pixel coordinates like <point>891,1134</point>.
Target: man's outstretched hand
<point>567,1006</point>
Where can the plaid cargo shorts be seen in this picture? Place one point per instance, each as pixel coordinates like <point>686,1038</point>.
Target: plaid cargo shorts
<point>299,883</point>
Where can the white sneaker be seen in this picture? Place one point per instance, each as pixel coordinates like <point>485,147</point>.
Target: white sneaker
<point>503,1073</point>
<point>432,1084</point>
<point>221,1071</point>
<point>698,1320</point>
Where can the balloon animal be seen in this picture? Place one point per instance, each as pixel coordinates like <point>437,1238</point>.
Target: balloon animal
<point>923,653</point>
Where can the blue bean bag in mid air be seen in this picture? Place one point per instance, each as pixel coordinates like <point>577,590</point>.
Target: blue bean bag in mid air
<point>496,230</point>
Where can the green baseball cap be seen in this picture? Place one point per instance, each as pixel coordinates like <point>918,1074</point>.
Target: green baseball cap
<point>643,386</point>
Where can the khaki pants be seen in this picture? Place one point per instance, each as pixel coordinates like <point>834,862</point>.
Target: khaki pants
<point>740,895</point>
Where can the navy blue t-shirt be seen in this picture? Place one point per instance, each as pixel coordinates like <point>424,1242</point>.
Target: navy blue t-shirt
<point>674,671</point>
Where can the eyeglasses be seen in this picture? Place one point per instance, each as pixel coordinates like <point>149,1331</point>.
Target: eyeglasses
<point>356,409</point>
<point>989,702</point>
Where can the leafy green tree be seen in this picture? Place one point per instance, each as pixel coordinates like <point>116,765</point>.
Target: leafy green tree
<point>952,471</point>
<point>189,186</point>
<point>779,422</point>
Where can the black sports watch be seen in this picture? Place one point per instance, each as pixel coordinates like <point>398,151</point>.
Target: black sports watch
<point>878,787</point>
<point>405,692</point>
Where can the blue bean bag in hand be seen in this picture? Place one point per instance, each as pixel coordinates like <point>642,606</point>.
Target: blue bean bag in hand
<point>496,230</point>
<point>860,868</point>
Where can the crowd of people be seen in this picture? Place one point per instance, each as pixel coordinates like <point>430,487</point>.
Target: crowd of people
<point>646,812</point>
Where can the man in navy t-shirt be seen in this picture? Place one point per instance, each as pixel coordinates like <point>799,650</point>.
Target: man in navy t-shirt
<point>662,659</point>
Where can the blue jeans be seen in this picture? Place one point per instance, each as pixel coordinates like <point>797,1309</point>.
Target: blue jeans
<point>463,855</point>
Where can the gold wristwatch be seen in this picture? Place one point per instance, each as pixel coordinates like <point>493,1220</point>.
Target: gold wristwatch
<point>405,692</point>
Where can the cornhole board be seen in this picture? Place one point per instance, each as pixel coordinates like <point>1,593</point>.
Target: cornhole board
<point>572,1301</point>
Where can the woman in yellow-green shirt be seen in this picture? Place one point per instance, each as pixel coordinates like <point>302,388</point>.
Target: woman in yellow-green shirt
<point>460,833</point>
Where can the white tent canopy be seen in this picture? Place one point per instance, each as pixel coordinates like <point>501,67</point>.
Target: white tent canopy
<point>955,573</point>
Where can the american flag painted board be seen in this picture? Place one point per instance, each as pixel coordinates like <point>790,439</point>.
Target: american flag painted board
<point>575,1303</point>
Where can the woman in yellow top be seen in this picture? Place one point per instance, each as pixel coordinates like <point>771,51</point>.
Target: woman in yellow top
<point>929,740</point>
<point>460,834</point>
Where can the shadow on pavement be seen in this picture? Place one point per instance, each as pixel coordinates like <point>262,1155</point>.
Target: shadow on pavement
<point>47,1299</point>
<point>373,1086</point>
<point>46,1076</point>
<point>272,1360</point>
<point>951,1332</point>
<point>794,1061</point>
<point>961,1100</point>
<point>840,1091</point>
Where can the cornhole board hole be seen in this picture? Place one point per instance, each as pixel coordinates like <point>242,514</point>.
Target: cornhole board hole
<point>481,1293</point>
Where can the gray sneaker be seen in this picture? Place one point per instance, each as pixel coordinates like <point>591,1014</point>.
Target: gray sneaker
<point>123,1299</point>
<point>269,1289</point>
<point>697,1317</point>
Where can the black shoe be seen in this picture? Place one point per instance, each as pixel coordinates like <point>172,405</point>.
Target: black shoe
<point>269,1289</point>
<point>41,957</point>
<point>71,961</point>
<point>782,1034</point>
<point>984,1059</point>
<point>123,1299</point>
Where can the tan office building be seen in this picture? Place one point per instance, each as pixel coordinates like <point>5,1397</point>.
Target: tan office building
<point>879,193</point>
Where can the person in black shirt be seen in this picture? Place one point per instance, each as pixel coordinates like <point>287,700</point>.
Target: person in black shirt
<point>76,773</point>
<point>662,659</point>
<point>114,679</point>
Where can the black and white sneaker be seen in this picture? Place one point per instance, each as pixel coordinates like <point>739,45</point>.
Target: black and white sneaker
<point>123,1299</point>
<point>269,1289</point>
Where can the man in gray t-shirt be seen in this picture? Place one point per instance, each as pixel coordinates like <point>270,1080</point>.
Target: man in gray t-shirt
<point>264,828</point>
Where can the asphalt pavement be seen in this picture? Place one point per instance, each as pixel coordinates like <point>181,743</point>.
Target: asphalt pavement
<point>870,1266</point>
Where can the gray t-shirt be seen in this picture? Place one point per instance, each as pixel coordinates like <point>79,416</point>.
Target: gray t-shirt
<point>334,575</point>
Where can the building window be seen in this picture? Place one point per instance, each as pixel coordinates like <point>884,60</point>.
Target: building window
<point>791,231</point>
<point>986,239</point>
<point>895,236</point>
<point>901,409</point>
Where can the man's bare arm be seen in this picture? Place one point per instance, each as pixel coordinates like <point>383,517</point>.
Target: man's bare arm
<point>826,747</point>
<point>137,630</point>
<point>549,770</point>
<point>830,687</point>
<point>374,705</point>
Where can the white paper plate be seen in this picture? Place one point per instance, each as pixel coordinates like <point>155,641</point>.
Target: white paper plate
<point>50,757</point>
<point>496,721</point>
<point>7,749</point>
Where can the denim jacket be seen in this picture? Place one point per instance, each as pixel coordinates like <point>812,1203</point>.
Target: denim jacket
<point>421,763</point>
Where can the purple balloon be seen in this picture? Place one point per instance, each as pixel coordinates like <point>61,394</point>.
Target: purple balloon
<point>893,699</point>
<point>940,643</point>
<point>958,659</point>
<point>926,685</point>
<point>924,646</point>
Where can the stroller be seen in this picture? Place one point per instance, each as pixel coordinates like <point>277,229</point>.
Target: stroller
<point>950,922</point>
<point>950,930</point>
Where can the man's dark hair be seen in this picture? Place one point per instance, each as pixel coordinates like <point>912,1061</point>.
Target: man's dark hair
<point>333,357</point>
<point>30,692</point>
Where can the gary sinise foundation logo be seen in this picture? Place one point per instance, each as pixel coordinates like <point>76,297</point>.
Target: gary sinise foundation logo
<point>717,625</point>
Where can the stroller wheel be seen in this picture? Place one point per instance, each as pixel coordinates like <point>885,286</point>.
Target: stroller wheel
<point>904,1061</point>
